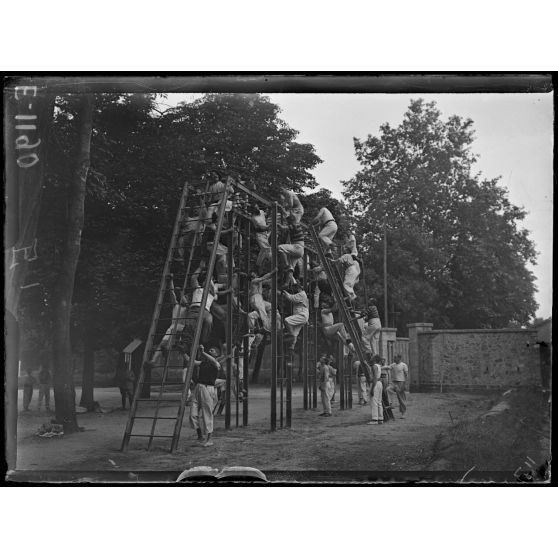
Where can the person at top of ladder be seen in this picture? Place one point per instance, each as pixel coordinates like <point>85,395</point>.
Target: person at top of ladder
<point>178,321</point>
<point>193,224</point>
<point>293,323</point>
<point>214,195</point>
<point>325,219</point>
<point>333,330</point>
<point>291,205</point>
<point>350,245</point>
<point>261,228</point>
<point>352,271</point>
<point>257,302</point>
<point>291,252</point>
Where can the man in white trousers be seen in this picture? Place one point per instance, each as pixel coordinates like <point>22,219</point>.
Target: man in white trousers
<point>203,395</point>
<point>328,229</point>
<point>376,392</point>
<point>293,323</point>
<point>399,373</point>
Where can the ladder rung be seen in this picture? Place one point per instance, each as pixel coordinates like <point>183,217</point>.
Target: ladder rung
<point>158,418</point>
<point>159,400</point>
<point>164,384</point>
<point>149,436</point>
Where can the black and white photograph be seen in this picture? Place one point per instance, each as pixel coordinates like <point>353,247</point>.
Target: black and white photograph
<point>276,278</point>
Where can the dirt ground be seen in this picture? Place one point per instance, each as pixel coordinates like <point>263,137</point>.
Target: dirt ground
<point>343,442</point>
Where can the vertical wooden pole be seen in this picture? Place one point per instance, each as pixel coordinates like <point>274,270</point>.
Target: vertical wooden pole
<point>315,362</point>
<point>229,325</point>
<point>305,331</point>
<point>246,351</point>
<point>289,380</point>
<point>273,398</point>
<point>386,320</point>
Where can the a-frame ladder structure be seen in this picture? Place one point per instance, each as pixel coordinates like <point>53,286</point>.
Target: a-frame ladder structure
<point>145,420</point>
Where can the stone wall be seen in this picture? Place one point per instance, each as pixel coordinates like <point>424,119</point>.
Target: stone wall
<point>477,358</point>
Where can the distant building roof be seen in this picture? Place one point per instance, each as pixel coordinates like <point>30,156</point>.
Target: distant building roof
<point>132,346</point>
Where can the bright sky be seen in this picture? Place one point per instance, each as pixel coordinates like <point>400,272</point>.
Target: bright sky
<point>514,139</point>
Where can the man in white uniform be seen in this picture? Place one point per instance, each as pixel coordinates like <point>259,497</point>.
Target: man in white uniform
<point>215,194</point>
<point>178,320</point>
<point>326,384</point>
<point>299,317</point>
<point>399,373</point>
<point>352,272</point>
<point>371,333</point>
<point>351,245</point>
<point>328,228</point>
<point>291,205</point>
<point>258,220</point>
<point>376,392</point>
<point>257,302</point>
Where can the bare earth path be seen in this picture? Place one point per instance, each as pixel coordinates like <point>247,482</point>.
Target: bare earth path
<point>343,442</point>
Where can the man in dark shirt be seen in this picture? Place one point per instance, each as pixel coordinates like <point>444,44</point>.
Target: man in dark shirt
<point>291,253</point>
<point>203,395</point>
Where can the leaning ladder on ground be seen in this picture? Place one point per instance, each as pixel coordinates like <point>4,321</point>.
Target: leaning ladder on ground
<point>144,420</point>
<point>336,282</point>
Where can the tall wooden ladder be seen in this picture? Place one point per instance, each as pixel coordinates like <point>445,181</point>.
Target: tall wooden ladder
<point>158,416</point>
<point>336,283</point>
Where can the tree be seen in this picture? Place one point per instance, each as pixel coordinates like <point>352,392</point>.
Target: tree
<point>139,159</point>
<point>64,394</point>
<point>239,132</point>
<point>456,255</point>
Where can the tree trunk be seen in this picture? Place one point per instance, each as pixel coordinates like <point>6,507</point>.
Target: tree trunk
<point>88,374</point>
<point>64,392</point>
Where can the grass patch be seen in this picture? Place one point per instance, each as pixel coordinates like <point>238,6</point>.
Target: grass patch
<point>501,441</point>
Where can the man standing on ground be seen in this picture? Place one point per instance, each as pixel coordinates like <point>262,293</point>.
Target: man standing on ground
<point>363,382</point>
<point>203,394</point>
<point>326,384</point>
<point>376,392</point>
<point>399,374</point>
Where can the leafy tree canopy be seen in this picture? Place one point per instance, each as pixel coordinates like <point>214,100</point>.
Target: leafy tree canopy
<point>140,158</point>
<point>456,254</point>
